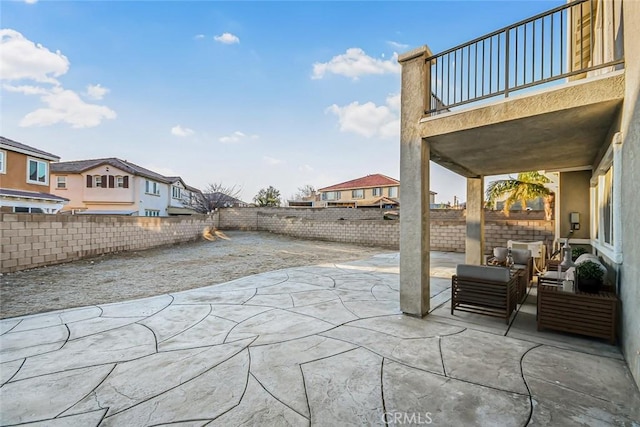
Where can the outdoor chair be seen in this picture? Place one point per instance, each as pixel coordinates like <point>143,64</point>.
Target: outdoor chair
<point>487,290</point>
<point>522,260</point>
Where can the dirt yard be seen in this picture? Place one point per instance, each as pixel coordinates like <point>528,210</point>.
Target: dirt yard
<point>130,275</point>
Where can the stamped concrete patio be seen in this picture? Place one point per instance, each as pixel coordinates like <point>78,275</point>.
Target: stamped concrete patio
<point>322,345</point>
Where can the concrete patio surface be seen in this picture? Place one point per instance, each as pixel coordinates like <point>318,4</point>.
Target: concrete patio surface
<point>321,345</point>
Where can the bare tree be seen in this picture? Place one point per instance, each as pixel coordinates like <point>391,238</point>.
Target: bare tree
<point>305,192</point>
<point>217,195</point>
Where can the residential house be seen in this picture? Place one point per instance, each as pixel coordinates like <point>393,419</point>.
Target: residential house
<point>375,190</point>
<point>117,187</point>
<point>567,103</point>
<point>24,179</point>
<point>184,198</point>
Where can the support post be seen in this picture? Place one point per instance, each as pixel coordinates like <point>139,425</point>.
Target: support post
<point>474,243</point>
<point>414,195</point>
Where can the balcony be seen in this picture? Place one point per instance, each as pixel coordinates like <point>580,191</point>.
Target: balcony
<point>567,43</point>
<point>544,91</point>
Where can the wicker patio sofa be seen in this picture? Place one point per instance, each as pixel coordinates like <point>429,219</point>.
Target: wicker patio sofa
<point>487,290</point>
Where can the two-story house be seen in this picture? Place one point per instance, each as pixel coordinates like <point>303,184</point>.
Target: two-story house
<point>184,198</point>
<point>117,187</point>
<point>375,190</point>
<point>24,179</point>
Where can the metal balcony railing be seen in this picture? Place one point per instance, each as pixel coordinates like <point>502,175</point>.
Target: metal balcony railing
<point>563,43</point>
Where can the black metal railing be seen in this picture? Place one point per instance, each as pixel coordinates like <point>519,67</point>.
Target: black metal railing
<point>565,42</point>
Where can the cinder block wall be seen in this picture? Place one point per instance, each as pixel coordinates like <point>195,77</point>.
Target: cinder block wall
<point>34,240</point>
<point>366,227</point>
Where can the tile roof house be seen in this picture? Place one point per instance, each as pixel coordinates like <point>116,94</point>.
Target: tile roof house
<point>375,190</point>
<point>24,179</point>
<point>567,103</point>
<point>119,187</point>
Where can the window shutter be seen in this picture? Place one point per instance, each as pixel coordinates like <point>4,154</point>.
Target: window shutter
<point>89,181</point>
<point>125,181</point>
<point>104,181</point>
<point>112,181</point>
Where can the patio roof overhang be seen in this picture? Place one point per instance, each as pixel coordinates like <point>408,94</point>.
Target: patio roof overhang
<point>562,127</point>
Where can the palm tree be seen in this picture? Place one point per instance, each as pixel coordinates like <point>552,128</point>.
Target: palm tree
<point>527,186</point>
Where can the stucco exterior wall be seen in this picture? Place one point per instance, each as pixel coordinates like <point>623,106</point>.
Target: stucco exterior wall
<point>158,202</point>
<point>630,206</point>
<point>574,197</point>
<point>16,173</point>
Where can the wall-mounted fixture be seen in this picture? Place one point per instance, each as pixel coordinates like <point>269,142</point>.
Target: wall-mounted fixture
<point>574,219</point>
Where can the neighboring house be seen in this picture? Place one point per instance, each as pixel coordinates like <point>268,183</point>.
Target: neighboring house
<point>24,179</point>
<point>377,190</point>
<point>222,200</point>
<point>183,199</point>
<point>574,111</point>
<point>116,187</point>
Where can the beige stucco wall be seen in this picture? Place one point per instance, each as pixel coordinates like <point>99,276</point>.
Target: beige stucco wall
<point>574,197</point>
<point>630,206</point>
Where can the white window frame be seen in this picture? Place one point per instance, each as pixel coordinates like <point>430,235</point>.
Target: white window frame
<point>176,192</point>
<point>151,212</point>
<point>97,181</point>
<point>3,161</point>
<point>119,181</point>
<point>38,162</point>
<point>357,194</point>
<point>61,179</point>
<point>395,190</point>
<point>152,187</point>
<point>377,191</point>
<point>610,163</point>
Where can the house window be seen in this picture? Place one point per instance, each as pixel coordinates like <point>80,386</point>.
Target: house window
<point>151,212</point>
<point>357,194</point>
<point>605,214</point>
<point>97,181</point>
<point>393,191</point>
<point>38,172</point>
<point>119,181</point>
<point>331,195</point>
<point>377,192</point>
<point>152,187</point>
<point>3,161</point>
<point>21,209</point>
<point>61,182</point>
<point>176,192</point>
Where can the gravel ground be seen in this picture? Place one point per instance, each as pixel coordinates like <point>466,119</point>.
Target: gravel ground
<point>130,275</point>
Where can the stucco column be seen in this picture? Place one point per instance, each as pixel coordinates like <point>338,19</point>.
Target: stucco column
<point>414,193</point>
<point>474,243</point>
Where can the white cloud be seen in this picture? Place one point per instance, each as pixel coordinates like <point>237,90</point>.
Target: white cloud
<point>31,1</point>
<point>180,131</point>
<point>305,168</point>
<point>23,59</point>
<point>397,45</point>
<point>199,36</point>
<point>96,92</point>
<point>26,89</point>
<point>272,161</point>
<point>65,106</point>
<point>227,38</point>
<point>355,63</point>
<point>236,137</point>
<point>369,119</point>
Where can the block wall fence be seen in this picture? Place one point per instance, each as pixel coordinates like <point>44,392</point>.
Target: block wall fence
<point>35,240</point>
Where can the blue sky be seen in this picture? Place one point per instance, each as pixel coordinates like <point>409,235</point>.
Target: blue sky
<point>244,93</point>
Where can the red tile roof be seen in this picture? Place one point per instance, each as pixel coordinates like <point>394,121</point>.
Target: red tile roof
<point>369,181</point>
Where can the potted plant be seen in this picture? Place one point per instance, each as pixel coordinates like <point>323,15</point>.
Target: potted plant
<point>589,277</point>
<point>576,252</point>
